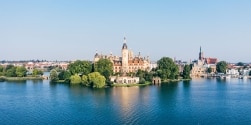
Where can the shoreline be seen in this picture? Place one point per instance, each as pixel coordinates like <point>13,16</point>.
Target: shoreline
<point>3,78</point>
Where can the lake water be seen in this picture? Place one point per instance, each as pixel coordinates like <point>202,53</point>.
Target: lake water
<point>200,101</point>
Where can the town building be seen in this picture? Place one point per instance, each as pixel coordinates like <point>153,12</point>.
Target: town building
<point>200,66</point>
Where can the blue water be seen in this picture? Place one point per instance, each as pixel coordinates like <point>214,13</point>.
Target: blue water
<point>200,101</point>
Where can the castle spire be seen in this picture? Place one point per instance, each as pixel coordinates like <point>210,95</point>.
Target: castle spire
<point>124,39</point>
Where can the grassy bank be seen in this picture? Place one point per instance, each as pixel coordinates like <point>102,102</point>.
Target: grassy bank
<point>130,85</point>
<point>21,78</point>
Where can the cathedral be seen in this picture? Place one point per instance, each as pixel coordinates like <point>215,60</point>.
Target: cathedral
<point>201,65</point>
<point>127,62</point>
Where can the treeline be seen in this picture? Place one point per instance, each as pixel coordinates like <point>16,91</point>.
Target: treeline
<point>98,74</point>
<point>17,71</point>
<point>85,73</point>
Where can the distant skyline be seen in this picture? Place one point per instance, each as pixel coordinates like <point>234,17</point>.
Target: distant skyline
<point>71,30</point>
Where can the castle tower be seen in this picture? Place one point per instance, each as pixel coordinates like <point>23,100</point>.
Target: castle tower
<point>125,57</point>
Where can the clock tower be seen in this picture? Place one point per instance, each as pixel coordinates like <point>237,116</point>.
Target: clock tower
<point>124,58</point>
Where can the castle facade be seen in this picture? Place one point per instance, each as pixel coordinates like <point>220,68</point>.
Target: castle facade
<point>127,62</point>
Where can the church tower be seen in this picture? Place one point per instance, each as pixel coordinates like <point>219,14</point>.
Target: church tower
<point>125,57</point>
<point>201,55</point>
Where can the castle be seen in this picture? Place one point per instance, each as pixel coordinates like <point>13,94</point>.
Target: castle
<point>127,62</point>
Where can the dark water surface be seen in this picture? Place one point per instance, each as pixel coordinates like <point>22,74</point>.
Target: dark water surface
<point>201,101</point>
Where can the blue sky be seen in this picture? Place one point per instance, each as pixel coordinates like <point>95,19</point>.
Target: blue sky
<point>75,29</point>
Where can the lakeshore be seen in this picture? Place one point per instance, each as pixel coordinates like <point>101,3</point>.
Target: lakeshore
<point>3,78</point>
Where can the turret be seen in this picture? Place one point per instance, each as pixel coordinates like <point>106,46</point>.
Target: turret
<point>125,57</point>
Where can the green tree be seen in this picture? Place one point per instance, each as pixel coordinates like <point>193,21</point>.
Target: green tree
<point>142,81</point>
<point>54,76</point>
<point>11,72</point>
<point>85,80</point>
<point>1,68</point>
<point>104,67</point>
<point>167,69</point>
<point>21,71</point>
<point>80,67</point>
<point>221,67</point>
<point>37,72</point>
<point>96,80</point>
<point>147,76</point>
<point>240,64</point>
<point>8,67</point>
<point>186,72</point>
<point>209,70</point>
<point>75,79</point>
<point>64,75</point>
<point>140,73</point>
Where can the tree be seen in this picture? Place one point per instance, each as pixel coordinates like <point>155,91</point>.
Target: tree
<point>147,76</point>
<point>21,71</point>
<point>209,70</point>
<point>96,80</point>
<point>64,75</point>
<point>1,68</point>
<point>37,72</point>
<point>186,72</point>
<point>80,67</point>
<point>104,67</point>
<point>75,79</point>
<point>54,76</point>
<point>11,72</point>
<point>85,80</point>
<point>140,73</point>
<point>167,69</point>
<point>9,67</point>
<point>249,73</point>
<point>240,64</point>
<point>221,67</point>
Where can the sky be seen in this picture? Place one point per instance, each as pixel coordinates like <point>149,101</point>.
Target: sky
<point>76,29</point>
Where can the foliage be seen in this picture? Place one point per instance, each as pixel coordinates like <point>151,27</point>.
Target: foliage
<point>96,80</point>
<point>75,79</point>
<point>142,81</point>
<point>221,67</point>
<point>54,76</point>
<point>11,72</point>
<point>85,80</point>
<point>9,67</point>
<point>80,67</point>
<point>37,72</point>
<point>209,70</point>
<point>21,71</point>
<point>1,68</point>
<point>167,69</point>
<point>64,75</point>
<point>240,64</point>
<point>186,72</point>
<point>104,67</point>
<point>144,74</point>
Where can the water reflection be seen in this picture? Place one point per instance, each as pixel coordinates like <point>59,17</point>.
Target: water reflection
<point>186,84</point>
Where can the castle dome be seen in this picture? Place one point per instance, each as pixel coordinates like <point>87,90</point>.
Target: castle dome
<point>124,46</point>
